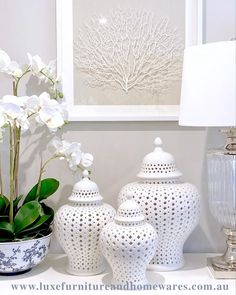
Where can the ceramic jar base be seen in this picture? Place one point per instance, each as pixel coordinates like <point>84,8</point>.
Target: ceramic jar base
<point>163,267</point>
<point>130,284</point>
<point>92,272</point>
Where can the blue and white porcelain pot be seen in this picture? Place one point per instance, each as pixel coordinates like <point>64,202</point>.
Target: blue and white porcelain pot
<point>19,257</point>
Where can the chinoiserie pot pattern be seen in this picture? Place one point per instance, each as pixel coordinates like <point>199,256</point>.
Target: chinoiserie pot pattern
<point>22,256</point>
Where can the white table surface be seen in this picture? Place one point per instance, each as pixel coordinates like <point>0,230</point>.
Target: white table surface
<point>51,274</point>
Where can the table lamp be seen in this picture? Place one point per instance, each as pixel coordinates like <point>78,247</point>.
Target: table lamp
<point>208,98</point>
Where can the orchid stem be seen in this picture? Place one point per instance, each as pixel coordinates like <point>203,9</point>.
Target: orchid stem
<point>1,188</point>
<point>11,176</point>
<point>42,167</point>
<point>17,135</point>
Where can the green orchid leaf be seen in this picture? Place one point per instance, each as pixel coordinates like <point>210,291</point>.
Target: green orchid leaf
<point>6,231</point>
<point>4,218</point>
<point>17,200</point>
<point>48,187</point>
<point>5,199</point>
<point>48,211</point>
<point>4,202</point>
<point>26,215</point>
<point>6,226</point>
<point>2,205</point>
<point>2,240</point>
<point>37,224</point>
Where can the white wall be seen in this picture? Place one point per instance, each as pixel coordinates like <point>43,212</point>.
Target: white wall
<point>118,147</point>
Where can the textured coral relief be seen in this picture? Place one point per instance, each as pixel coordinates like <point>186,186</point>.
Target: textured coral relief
<point>129,50</point>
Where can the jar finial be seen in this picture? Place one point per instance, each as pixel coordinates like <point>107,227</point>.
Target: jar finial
<point>158,141</point>
<point>85,173</point>
<point>158,144</point>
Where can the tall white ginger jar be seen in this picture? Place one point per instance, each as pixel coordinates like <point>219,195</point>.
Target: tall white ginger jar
<point>78,225</point>
<point>170,205</point>
<point>128,243</point>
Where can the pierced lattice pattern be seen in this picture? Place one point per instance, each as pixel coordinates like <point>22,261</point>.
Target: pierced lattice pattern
<point>86,194</point>
<point>128,249</point>
<point>173,210</point>
<point>158,168</point>
<point>77,227</point>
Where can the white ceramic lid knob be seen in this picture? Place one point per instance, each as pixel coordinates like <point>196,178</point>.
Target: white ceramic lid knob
<point>85,174</point>
<point>129,211</point>
<point>158,144</point>
<point>85,190</point>
<point>159,164</point>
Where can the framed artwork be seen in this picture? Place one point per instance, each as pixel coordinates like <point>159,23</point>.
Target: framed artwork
<point>122,60</point>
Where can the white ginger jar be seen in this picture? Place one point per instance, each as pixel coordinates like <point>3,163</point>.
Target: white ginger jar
<point>128,244</point>
<point>170,205</point>
<point>78,225</point>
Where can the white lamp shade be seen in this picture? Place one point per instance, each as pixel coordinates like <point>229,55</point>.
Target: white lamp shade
<point>208,95</point>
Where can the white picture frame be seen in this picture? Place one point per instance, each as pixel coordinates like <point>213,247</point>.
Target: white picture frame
<point>64,16</point>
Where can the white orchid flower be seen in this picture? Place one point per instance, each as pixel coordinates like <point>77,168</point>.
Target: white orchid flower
<point>49,72</point>
<point>23,122</point>
<point>51,118</point>
<point>63,147</point>
<point>55,144</point>
<point>17,100</point>
<point>3,117</point>
<point>14,69</point>
<point>51,113</point>
<point>47,111</point>
<point>36,63</point>
<point>74,160</point>
<point>9,67</point>
<point>33,104</point>
<point>86,160</point>
<point>4,61</point>
<point>72,147</point>
<point>71,152</point>
<point>45,100</point>
<point>3,120</point>
<point>12,111</point>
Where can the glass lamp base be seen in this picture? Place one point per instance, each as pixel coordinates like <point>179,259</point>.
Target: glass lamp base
<point>222,199</point>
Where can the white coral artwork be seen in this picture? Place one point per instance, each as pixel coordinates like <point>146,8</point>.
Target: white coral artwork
<point>129,50</point>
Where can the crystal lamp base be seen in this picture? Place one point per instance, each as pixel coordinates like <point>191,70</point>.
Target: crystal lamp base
<point>222,199</point>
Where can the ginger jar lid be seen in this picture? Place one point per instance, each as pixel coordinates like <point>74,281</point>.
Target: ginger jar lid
<point>129,212</point>
<point>159,164</point>
<point>85,190</point>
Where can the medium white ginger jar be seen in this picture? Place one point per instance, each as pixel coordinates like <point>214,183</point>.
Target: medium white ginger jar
<point>128,243</point>
<point>170,205</point>
<point>78,225</point>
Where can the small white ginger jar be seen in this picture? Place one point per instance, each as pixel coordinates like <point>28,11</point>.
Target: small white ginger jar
<point>128,243</point>
<point>78,225</point>
<point>170,205</point>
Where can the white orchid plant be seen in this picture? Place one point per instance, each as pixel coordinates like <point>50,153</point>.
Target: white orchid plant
<point>17,113</point>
